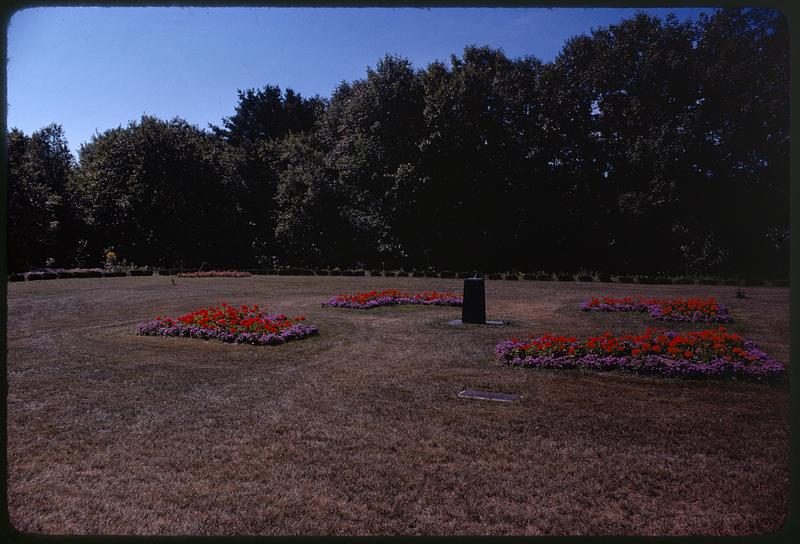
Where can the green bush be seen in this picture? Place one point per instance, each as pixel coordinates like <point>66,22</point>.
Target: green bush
<point>295,271</point>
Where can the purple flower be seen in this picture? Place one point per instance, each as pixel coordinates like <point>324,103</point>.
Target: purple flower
<point>656,311</point>
<point>296,331</point>
<point>338,302</point>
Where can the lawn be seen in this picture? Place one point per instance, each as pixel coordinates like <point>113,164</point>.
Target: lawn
<point>358,430</point>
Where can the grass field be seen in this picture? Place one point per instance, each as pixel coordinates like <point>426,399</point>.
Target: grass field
<point>359,430</point>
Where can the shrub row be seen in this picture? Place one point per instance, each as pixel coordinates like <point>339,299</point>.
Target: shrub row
<point>542,276</point>
<point>70,274</point>
<point>642,279</point>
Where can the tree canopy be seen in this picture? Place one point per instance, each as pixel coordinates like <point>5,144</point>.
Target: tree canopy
<point>648,146</point>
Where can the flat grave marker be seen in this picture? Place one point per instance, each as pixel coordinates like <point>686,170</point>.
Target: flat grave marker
<point>487,395</point>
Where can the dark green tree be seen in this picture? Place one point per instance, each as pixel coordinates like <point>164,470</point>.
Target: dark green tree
<point>740,135</point>
<point>261,117</point>
<point>154,191</point>
<point>478,158</point>
<point>647,146</point>
<point>371,132</point>
<point>41,223</point>
<point>310,227</point>
<point>636,100</point>
<point>266,114</point>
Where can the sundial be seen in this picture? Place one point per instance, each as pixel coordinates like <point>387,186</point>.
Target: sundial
<point>473,307</point>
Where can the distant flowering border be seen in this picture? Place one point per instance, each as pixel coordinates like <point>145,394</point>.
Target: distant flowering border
<point>244,325</point>
<point>713,352</point>
<point>692,309</point>
<point>391,297</point>
<point>214,274</point>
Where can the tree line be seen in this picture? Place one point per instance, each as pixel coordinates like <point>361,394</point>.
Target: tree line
<point>651,146</point>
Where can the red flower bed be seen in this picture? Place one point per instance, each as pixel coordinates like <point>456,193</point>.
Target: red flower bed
<point>388,297</point>
<point>704,353</point>
<point>692,309</point>
<point>250,325</point>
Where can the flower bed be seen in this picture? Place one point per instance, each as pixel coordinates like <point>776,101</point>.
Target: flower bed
<point>214,274</point>
<point>53,273</point>
<point>390,297</point>
<point>692,309</point>
<point>244,325</point>
<point>713,352</point>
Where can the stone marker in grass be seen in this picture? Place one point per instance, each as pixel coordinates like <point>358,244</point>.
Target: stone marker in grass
<point>487,395</point>
<point>473,307</point>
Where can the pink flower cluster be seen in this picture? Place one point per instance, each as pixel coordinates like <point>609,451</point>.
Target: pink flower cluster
<point>390,297</point>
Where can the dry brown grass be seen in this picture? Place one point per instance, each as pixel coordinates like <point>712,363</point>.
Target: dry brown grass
<point>359,430</point>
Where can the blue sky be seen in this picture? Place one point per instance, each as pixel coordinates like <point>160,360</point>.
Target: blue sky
<point>91,69</point>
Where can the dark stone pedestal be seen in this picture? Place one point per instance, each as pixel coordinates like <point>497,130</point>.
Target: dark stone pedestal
<point>473,309</point>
